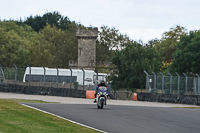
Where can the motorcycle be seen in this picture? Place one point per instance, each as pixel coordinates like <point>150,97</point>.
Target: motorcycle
<point>101,97</point>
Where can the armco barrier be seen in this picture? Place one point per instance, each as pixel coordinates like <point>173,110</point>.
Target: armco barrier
<point>169,98</point>
<point>90,94</point>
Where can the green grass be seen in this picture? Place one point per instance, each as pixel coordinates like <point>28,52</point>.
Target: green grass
<point>16,118</point>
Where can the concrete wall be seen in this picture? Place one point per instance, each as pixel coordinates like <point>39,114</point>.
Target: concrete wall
<point>167,98</point>
<point>37,90</point>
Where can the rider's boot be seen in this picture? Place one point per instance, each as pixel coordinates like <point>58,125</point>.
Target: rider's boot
<point>95,100</point>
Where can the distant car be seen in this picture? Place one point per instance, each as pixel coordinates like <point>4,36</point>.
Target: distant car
<point>88,79</point>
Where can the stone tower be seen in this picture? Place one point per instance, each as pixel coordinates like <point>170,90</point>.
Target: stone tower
<point>87,47</point>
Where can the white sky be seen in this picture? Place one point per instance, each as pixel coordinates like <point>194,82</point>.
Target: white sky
<point>139,19</point>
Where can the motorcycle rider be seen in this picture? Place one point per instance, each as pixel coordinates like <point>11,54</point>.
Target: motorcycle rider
<point>102,83</point>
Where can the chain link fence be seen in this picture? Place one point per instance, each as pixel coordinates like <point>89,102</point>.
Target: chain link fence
<point>172,84</point>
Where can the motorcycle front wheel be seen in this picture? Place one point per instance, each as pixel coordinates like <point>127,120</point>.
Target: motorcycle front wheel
<point>102,102</point>
<point>98,106</point>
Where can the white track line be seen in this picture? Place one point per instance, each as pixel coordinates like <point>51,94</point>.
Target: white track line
<point>63,118</point>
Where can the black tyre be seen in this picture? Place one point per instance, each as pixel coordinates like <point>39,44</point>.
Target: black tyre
<point>102,103</point>
<point>98,106</point>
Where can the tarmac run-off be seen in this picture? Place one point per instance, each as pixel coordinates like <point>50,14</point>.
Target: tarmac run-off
<point>70,100</point>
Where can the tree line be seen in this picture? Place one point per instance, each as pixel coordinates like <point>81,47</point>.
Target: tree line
<point>50,41</point>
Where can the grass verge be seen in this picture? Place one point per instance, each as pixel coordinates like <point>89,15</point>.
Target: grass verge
<point>15,118</point>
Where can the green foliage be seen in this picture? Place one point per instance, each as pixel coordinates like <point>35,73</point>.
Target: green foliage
<point>55,43</point>
<point>164,66</point>
<point>130,65</point>
<point>109,39</point>
<point>15,43</point>
<point>167,45</point>
<point>76,84</point>
<point>51,18</point>
<point>113,38</point>
<point>54,48</point>
<point>51,46</point>
<point>187,56</point>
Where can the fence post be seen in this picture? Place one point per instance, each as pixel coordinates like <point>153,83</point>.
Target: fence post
<point>70,78</point>
<point>194,90</point>
<point>198,83</point>
<point>57,77</point>
<point>147,75</point>
<point>69,93</point>
<point>154,82</point>
<point>162,82</point>
<point>186,80</point>
<point>0,73</point>
<point>83,78</point>
<point>170,82</point>
<point>96,75</point>
<point>1,69</point>
<point>44,77</point>
<point>29,80</point>
<point>15,73</point>
<point>178,82</point>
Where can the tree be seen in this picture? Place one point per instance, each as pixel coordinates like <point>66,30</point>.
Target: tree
<point>187,55</point>
<point>53,45</point>
<point>153,42</point>
<point>109,39</point>
<point>15,43</point>
<point>167,45</point>
<point>51,18</point>
<point>130,64</point>
<point>112,38</point>
<point>54,48</point>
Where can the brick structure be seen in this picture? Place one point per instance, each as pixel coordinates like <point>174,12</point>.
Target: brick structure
<point>86,48</point>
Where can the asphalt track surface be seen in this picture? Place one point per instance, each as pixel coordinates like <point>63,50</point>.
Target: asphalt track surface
<point>128,119</point>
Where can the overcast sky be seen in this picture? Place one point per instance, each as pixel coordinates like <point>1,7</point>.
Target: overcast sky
<point>139,19</point>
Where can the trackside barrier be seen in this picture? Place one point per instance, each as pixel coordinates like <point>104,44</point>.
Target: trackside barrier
<point>38,90</point>
<point>90,94</point>
<point>134,96</point>
<point>169,98</point>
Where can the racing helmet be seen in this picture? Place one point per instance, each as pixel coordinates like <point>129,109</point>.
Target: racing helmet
<point>102,83</point>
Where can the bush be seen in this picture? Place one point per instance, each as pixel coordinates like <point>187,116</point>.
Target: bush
<point>76,84</point>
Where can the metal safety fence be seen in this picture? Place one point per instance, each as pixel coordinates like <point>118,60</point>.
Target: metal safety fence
<point>49,81</point>
<point>59,79</point>
<point>180,84</point>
